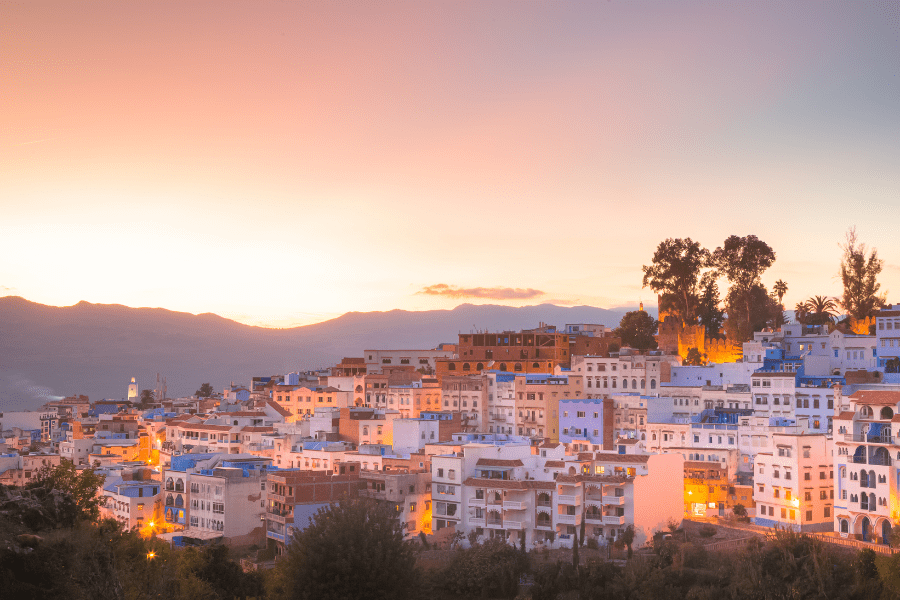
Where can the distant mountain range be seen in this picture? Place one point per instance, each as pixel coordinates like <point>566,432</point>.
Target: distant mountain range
<point>95,349</point>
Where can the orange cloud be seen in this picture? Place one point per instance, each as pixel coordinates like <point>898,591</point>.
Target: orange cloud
<point>493,293</point>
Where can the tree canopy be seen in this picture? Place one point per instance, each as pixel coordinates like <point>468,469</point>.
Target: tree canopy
<point>858,275</point>
<point>205,391</point>
<point>675,273</point>
<point>636,329</point>
<point>743,260</point>
<point>818,310</point>
<point>353,549</point>
<point>82,486</point>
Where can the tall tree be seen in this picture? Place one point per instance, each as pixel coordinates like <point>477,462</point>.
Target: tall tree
<point>780,288</point>
<point>353,549</point>
<point>675,274</point>
<point>711,316</point>
<point>205,391</point>
<point>742,260</point>
<point>764,312</point>
<point>858,276</point>
<point>147,397</point>
<point>819,310</point>
<point>636,329</point>
<point>81,485</point>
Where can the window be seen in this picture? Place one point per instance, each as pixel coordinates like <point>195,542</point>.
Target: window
<point>440,472</point>
<point>827,512</point>
<point>807,476</point>
<point>412,507</point>
<point>809,515</point>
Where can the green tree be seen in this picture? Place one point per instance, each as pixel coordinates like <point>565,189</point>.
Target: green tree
<point>147,397</point>
<point>711,316</point>
<point>676,274</point>
<point>205,391</point>
<point>81,486</point>
<point>764,312</point>
<point>742,260</point>
<point>352,549</point>
<point>693,358</point>
<point>636,329</point>
<point>859,275</point>
<point>819,310</point>
<point>628,539</point>
<point>780,288</point>
<point>739,510</point>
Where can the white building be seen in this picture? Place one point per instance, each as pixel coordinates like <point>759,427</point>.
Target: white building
<point>376,360</point>
<point>793,485</point>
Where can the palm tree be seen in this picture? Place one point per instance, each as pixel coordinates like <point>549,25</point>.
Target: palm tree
<point>820,310</point>
<point>780,288</point>
<point>800,312</point>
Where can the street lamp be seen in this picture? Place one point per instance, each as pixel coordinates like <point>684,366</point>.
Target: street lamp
<point>151,555</point>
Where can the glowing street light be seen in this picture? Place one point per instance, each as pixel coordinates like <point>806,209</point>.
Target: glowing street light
<point>151,555</point>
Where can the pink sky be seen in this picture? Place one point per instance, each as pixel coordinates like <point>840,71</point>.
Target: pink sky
<point>281,163</point>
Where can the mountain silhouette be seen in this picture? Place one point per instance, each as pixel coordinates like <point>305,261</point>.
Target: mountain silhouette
<point>95,349</point>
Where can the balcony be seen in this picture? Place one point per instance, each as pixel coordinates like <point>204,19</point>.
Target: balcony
<point>513,505</point>
<point>512,524</point>
<point>614,500</point>
<point>545,503</point>
<point>871,439</point>
<point>543,526</point>
<point>476,521</point>
<point>593,519</point>
<point>567,519</point>
<point>494,524</point>
<point>573,500</point>
<point>613,520</point>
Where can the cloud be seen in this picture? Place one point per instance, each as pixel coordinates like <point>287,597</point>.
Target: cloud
<point>493,293</point>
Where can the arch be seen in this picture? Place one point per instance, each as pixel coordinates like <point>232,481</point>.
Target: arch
<point>880,457</point>
<point>866,529</point>
<point>543,519</point>
<point>494,517</point>
<point>571,470</point>
<point>643,383</point>
<point>170,501</point>
<point>643,437</point>
<point>863,478</point>
<point>865,412</point>
<point>179,485</point>
<point>518,367</point>
<point>872,502</point>
<point>845,526</point>
<point>543,499</point>
<point>170,484</point>
<point>652,384</point>
<point>479,367</point>
<point>885,532</point>
<point>859,456</point>
<point>872,479</point>
<point>536,365</point>
<point>502,366</point>
<point>498,497</point>
<point>466,367</point>
<point>887,413</point>
<point>451,366</point>
<point>634,384</point>
<point>359,389</point>
<point>593,512</point>
<point>179,501</point>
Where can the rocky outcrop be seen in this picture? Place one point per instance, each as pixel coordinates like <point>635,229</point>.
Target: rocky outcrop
<point>37,509</point>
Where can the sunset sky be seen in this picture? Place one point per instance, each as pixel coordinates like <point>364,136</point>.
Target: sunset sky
<point>281,163</point>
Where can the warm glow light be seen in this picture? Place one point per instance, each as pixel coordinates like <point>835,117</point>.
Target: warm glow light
<point>150,524</point>
<point>151,555</point>
<point>796,502</point>
<point>690,493</point>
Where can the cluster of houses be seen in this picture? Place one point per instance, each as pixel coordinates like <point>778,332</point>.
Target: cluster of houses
<point>545,433</point>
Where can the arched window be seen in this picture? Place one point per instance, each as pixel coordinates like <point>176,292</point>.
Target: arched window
<point>643,383</point>
<point>872,479</point>
<point>865,412</point>
<point>170,501</point>
<point>480,366</point>
<point>543,519</point>
<point>543,499</point>
<point>452,366</point>
<point>366,430</point>
<point>887,413</point>
<point>652,384</point>
<point>536,365</point>
<point>466,367</point>
<point>179,501</point>
<point>518,367</point>
<point>863,478</point>
<point>845,526</point>
<point>634,384</point>
<point>502,366</point>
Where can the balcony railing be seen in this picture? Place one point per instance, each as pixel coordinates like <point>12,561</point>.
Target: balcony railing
<point>477,521</point>
<point>512,524</point>
<point>593,519</point>
<point>871,439</point>
<point>567,519</point>
<point>616,500</point>
<point>564,499</point>
<point>613,520</point>
<point>513,505</point>
<point>494,524</point>
<point>544,503</point>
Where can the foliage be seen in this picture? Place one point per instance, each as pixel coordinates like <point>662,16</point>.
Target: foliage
<point>628,538</point>
<point>693,358</point>
<point>858,276</point>
<point>676,274</point>
<point>710,314</point>
<point>764,312</point>
<point>892,365</point>
<point>491,569</point>
<point>81,486</point>
<point>817,310</point>
<point>739,510</point>
<point>147,397</point>
<point>205,391</point>
<point>353,549</point>
<point>707,530</point>
<point>636,329</point>
<point>742,260</point>
<point>780,288</point>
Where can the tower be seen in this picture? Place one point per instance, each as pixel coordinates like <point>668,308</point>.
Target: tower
<point>132,391</point>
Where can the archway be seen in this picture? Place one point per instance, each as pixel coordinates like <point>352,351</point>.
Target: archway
<point>887,413</point>
<point>866,529</point>
<point>886,532</point>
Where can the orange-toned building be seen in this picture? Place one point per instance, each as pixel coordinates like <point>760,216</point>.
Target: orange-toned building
<point>528,351</point>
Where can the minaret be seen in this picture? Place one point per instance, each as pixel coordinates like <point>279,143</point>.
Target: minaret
<point>132,391</point>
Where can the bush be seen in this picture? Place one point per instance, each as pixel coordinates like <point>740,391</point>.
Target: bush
<point>592,544</point>
<point>707,531</point>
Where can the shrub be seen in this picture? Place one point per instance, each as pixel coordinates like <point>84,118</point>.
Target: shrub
<point>592,544</point>
<point>707,531</point>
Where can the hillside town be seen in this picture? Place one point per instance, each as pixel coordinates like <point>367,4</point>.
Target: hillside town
<point>546,435</point>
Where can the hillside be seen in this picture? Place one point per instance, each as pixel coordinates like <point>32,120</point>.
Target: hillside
<point>95,349</point>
